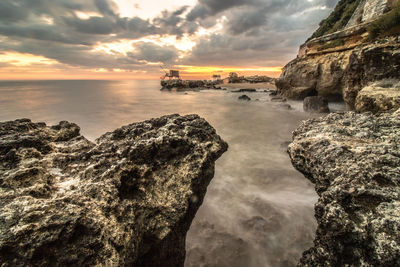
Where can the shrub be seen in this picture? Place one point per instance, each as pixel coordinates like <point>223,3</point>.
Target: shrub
<point>386,24</point>
<point>338,18</point>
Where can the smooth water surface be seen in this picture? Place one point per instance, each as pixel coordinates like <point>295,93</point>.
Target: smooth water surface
<point>258,210</point>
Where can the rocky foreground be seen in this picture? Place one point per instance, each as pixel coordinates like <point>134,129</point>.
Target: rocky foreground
<point>354,162</point>
<point>127,199</point>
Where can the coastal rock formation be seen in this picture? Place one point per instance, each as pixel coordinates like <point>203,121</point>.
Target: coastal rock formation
<point>126,200</point>
<point>380,96</point>
<point>315,104</point>
<point>341,74</point>
<point>354,162</point>
<point>179,84</point>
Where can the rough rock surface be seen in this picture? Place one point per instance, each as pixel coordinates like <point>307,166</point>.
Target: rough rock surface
<point>126,200</point>
<point>354,162</point>
<point>341,73</point>
<point>316,104</point>
<point>380,96</point>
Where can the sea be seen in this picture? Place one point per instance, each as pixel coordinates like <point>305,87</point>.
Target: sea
<point>258,210</point>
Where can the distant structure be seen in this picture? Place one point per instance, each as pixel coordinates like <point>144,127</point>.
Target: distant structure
<point>170,74</point>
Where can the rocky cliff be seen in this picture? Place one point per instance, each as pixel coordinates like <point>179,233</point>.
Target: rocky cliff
<point>126,200</point>
<point>354,162</point>
<point>338,65</point>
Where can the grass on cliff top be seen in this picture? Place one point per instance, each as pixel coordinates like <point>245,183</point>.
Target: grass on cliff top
<point>388,24</point>
<point>339,17</point>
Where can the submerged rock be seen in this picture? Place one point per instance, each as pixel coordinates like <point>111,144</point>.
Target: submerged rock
<point>126,200</point>
<point>245,90</point>
<point>278,99</point>
<point>380,96</point>
<point>316,104</point>
<point>354,162</point>
<point>244,98</point>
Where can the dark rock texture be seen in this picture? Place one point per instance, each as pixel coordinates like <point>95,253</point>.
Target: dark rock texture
<point>126,200</point>
<point>341,73</point>
<point>246,90</point>
<point>244,98</point>
<point>316,104</point>
<point>354,162</point>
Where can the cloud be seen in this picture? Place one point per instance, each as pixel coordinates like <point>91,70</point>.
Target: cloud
<point>93,25</point>
<point>225,32</point>
<point>154,53</point>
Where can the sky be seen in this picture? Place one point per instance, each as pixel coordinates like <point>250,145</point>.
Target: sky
<point>131,39</point>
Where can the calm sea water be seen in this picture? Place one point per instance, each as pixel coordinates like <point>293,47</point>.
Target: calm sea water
<point>258,210</point>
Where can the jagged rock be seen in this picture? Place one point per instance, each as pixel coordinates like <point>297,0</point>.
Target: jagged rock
<point>126,200</point>
<point>316,104</point>
<point>379,96</point>
<point>353,160</point>
<point>244,98</point>
<point>341,73</point>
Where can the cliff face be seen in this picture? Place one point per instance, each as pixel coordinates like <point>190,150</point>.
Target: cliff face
<point>340,64</point>
<point>353,160</point>
<point>126,200</point>
<point>341,73</point>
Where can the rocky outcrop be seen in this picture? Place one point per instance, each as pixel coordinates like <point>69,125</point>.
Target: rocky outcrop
<point>126,200</point>
<point>244,98</point>
<point>189,84</point>
<point>341,73</point>
<point>380,96</point>
<point>235,78</point>
<point>315,104</point>
<point>353,160</point>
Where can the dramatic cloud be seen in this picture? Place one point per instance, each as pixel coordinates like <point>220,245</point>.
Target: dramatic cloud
<point>210,32</point>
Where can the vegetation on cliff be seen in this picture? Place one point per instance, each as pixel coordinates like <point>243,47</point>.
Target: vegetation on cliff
<point>388,24</point>
<point>337,19</point>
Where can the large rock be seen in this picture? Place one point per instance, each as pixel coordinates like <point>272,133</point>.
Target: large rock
<point>126,200</point>
<point>341,73</point>
<point>354,162</point>
<point>316,104</point>
<point>380,96</point>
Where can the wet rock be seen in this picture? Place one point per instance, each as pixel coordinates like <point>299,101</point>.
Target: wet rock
<point>380,96</point>
<point>316,104</point>
<point>285,106</point>
<point>278,99</point>
<point>246,90</point>
<point>244,98</point>
<point>273,92</point>
<point>353,160</point>
<point>126,200</point>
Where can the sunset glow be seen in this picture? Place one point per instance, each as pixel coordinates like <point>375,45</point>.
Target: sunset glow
<point>124,39</point>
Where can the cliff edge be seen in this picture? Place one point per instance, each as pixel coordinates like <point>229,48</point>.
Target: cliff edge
<point>126,200</point>
<point>354,162</point>
<point>356,45</point>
